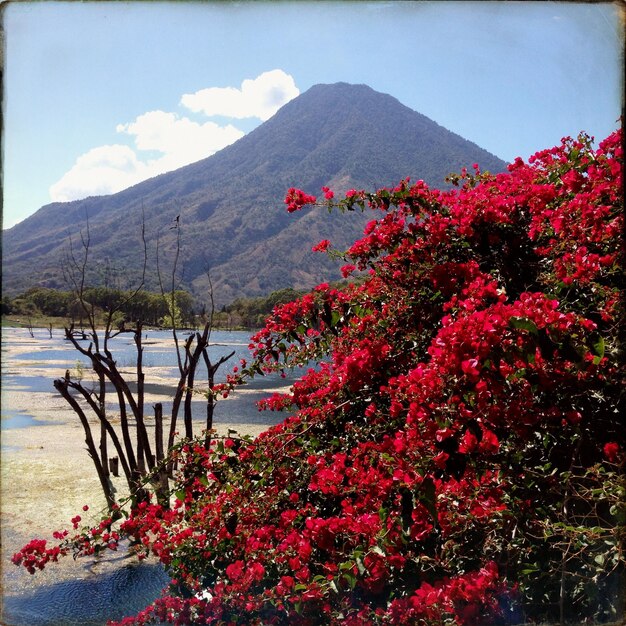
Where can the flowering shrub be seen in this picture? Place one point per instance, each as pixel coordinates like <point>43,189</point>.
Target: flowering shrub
<point>456,456</point>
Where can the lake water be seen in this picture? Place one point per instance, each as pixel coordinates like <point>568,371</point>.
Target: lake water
<point>50,350</point>
<point>108,589</point>
<point>56,354</point>
<point>90,601</point>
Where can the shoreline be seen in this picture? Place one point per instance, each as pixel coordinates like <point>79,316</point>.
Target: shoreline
<point>46,474</point>
<point>43,323</point>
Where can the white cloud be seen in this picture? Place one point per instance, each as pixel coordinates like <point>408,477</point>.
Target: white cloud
<point>176,140</point>
<point>180,137</point>
<point>102,170</point>
<point>108,169</point>
<point>260,97</point>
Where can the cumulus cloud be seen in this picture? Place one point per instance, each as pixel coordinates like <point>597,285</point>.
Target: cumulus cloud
<point>100,171</point>
<point>111,168</point>
<point>183,140</point>
<point>171,140</point>
<point>259,97</point>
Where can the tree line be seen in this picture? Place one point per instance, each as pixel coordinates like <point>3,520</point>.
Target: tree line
<point>151,308</point>
<point>145,306</point>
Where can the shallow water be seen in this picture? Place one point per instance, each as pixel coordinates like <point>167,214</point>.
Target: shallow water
<point>28,383</point>
<point>50,351</point>
<point>111,590</point>
<point>91,601</point>
<point>19,419</point>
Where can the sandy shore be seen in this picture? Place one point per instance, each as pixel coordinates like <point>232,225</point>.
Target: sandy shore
<point>46,475</point>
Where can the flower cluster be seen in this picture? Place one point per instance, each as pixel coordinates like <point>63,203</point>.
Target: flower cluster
<point>457,436</point>
<point>36,555</point>
<point>296,199</point>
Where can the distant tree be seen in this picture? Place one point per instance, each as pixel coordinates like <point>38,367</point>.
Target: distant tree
<point>24,306</point>
<point>7,305</point>
<point>49,301</point>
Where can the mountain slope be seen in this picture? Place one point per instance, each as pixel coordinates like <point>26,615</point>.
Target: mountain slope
<point>233,219</point>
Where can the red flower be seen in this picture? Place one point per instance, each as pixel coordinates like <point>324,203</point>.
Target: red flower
<point>611,451</point>
<point>469,442</point>
<point>234,571</point>
<point>489,443</point>
<point>296,199</point>
<point>346,270</point>
<point>470,367</point>
<point>322,246</point>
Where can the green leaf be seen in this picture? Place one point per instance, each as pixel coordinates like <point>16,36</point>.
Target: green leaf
<point>522,323</point>
<point>598,348</point>
<point>360,566</point>
<point>351,579</point>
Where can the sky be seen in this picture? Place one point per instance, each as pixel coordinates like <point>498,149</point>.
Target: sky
<point>98,96</point>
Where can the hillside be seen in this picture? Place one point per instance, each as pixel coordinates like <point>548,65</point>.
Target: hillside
<point>232,215</point>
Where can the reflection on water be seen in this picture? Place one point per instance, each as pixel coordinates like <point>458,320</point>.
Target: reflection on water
<point>88,602</point>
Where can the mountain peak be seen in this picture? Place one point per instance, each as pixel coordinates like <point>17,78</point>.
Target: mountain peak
<point>232,215</point>
<point>343,87</point>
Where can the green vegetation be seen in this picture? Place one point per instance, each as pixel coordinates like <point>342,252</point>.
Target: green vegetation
<point>42,306</point>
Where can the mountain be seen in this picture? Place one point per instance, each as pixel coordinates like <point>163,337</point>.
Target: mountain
<point>232,216</point>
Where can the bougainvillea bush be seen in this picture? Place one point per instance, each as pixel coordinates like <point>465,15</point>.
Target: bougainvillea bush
<point>456,454</point>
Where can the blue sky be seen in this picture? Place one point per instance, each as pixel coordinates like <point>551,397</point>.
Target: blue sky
<point>101,94</point>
